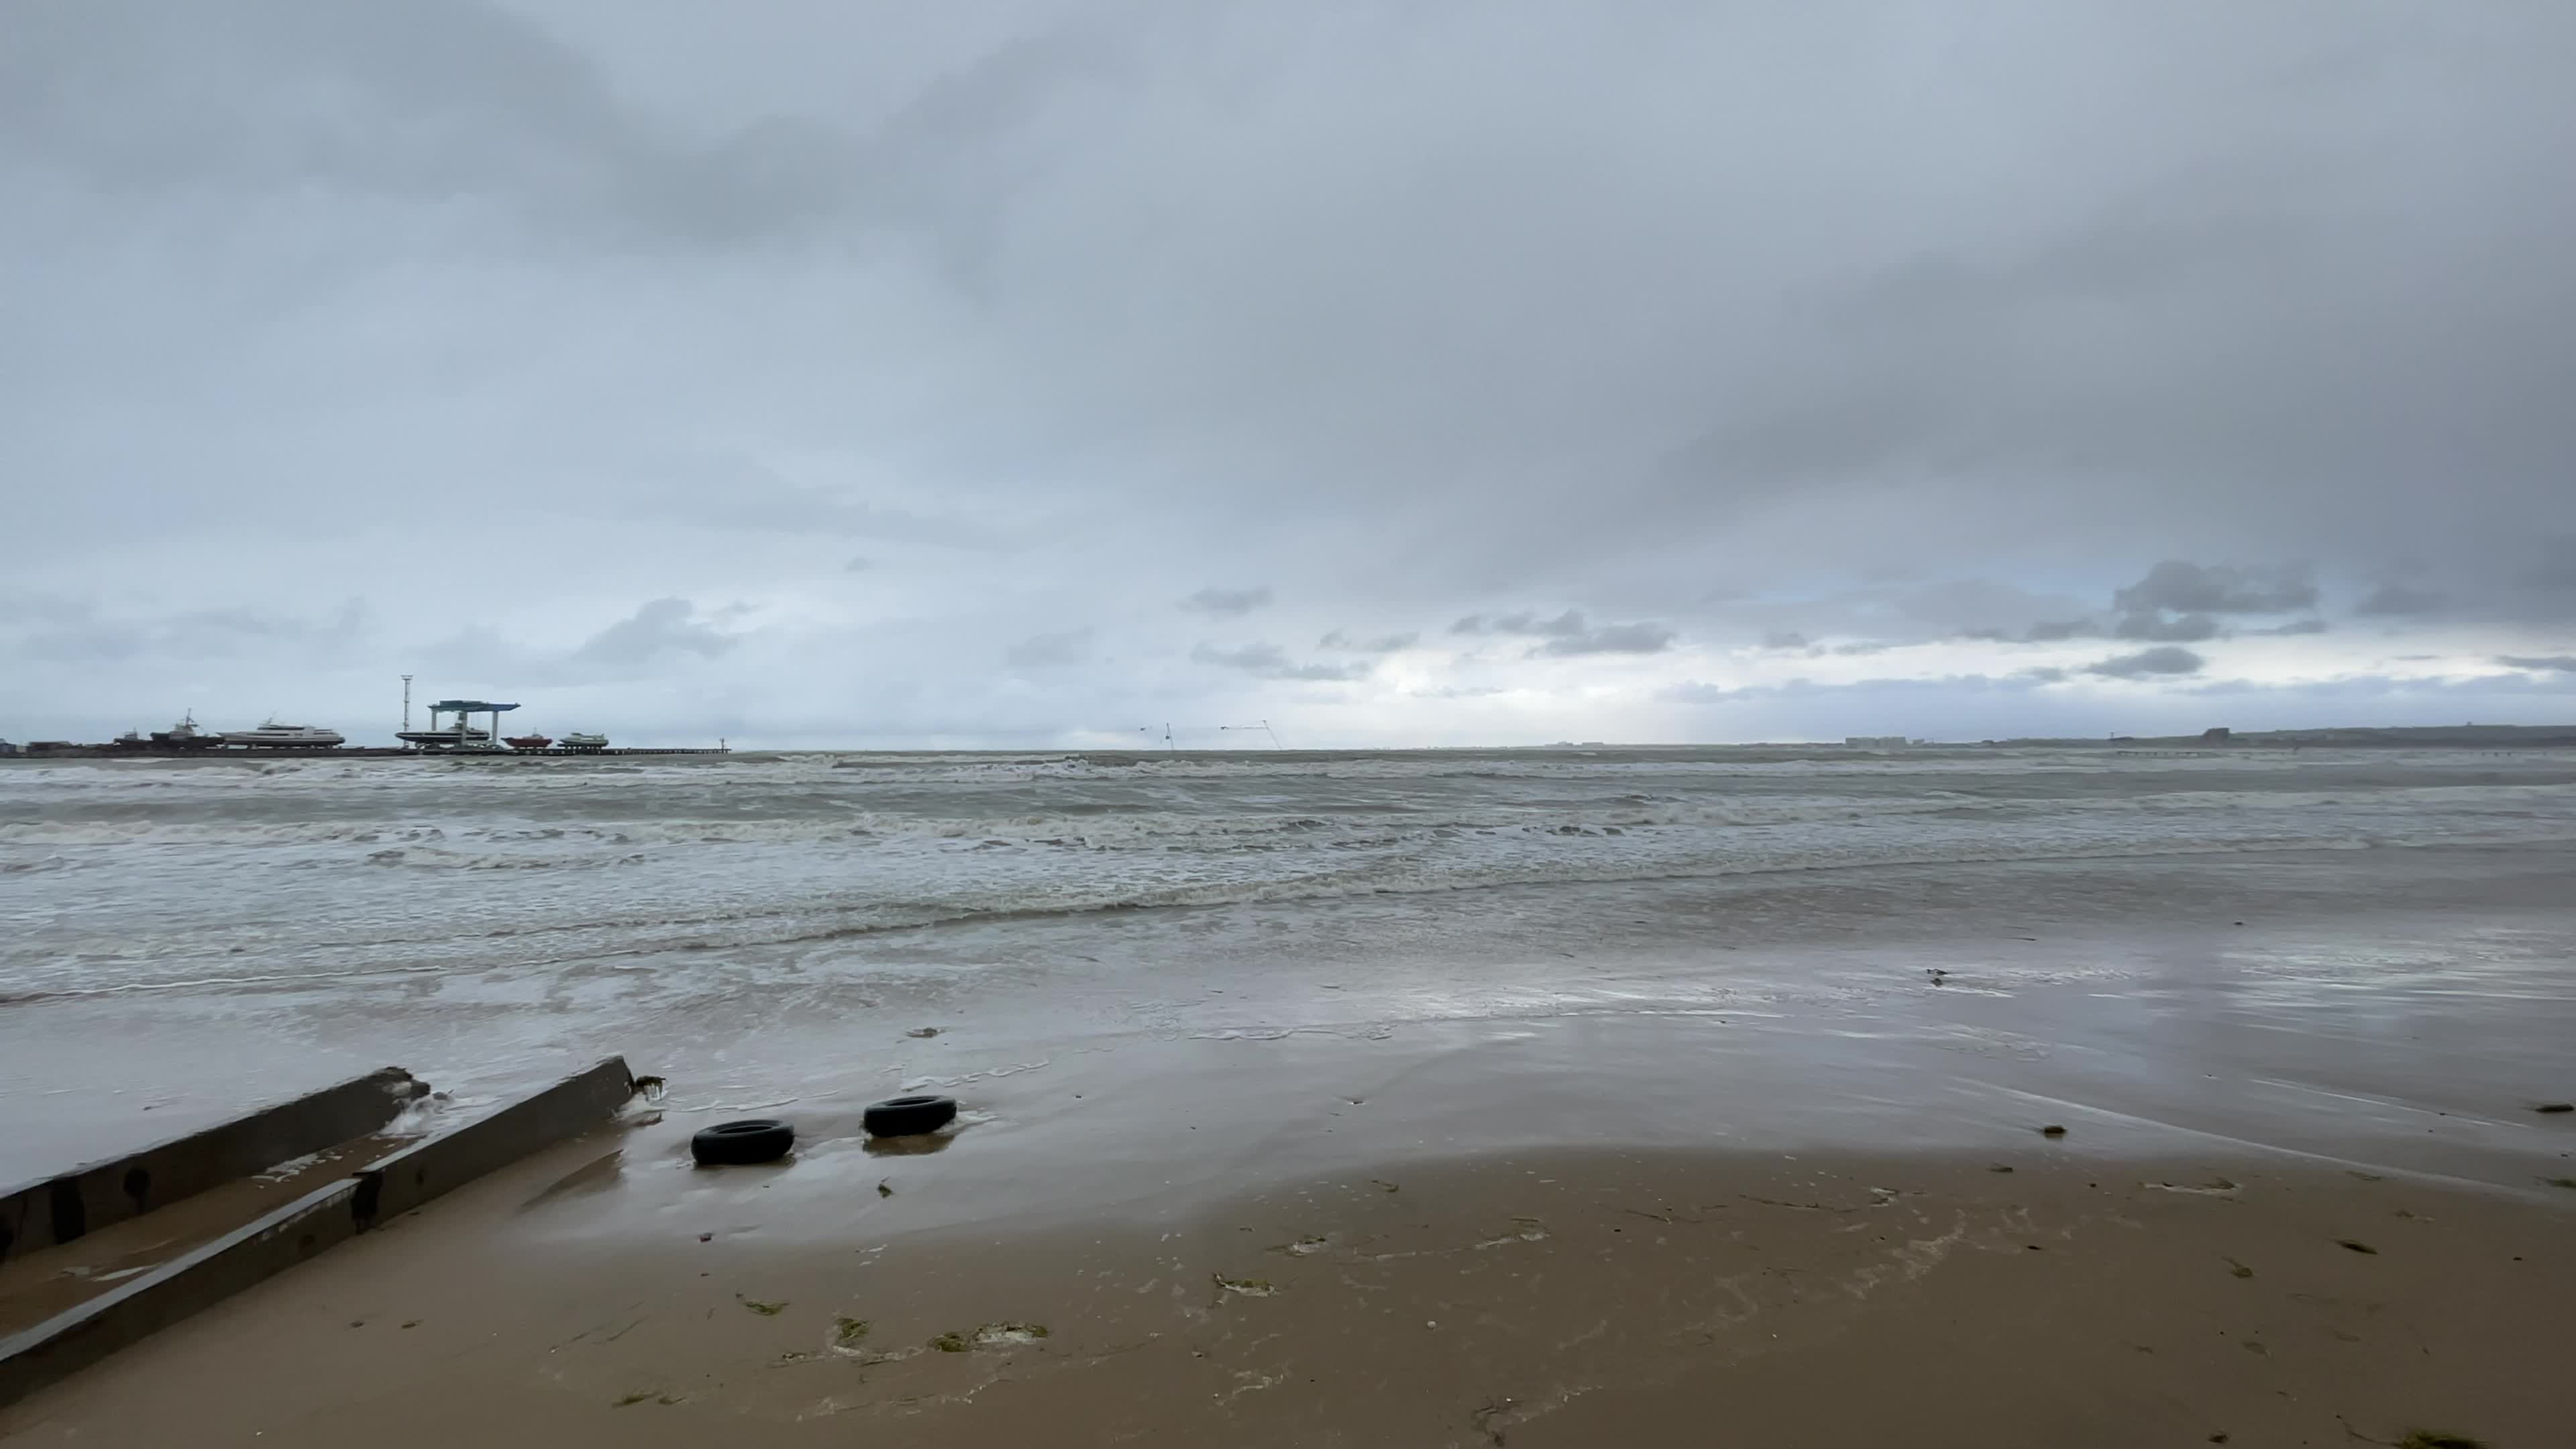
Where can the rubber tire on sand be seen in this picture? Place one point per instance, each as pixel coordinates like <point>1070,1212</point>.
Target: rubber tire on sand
<point>910,1116</point>
<point>730,1144</point>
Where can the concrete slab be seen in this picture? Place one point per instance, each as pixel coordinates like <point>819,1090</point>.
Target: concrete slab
<point>63,1208</point>
<point>280,1239</point>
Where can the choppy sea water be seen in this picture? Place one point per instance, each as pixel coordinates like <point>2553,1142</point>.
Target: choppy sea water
<point>470,915</point>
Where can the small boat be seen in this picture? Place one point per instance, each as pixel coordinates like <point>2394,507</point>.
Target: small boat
<point>527,742</point>
<point>453,737</point>
<point>272,735</point>
<point>186,735</point>
<point>579,741</point>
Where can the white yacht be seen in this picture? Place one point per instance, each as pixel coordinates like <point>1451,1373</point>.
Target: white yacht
<point>310,737</point>
<point>579,741</point>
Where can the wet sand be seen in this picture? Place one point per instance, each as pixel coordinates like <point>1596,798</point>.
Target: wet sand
<point>55,1279</point>
<point>1743,1192</point>
<point>1565,1298</point>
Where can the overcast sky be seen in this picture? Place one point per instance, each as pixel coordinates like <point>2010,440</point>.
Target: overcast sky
<point>814,372</point>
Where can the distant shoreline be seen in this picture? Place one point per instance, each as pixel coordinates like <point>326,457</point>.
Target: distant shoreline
<point>2360,737</point>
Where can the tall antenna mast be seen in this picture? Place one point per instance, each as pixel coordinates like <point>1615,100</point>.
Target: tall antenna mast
<point>406,703</point>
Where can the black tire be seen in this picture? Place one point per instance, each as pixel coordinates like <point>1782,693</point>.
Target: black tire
<point>910,1116</point>
<point>730,1144</point>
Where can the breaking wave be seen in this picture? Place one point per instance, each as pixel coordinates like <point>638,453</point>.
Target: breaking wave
<point>134,878</point>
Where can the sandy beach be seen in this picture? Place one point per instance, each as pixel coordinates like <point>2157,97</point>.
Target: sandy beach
<point>1758,1190</point>
<point>1377,1100</point>
<point>2031,1296</point>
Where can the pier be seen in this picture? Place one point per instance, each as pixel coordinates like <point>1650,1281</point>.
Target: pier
<point>54,750</point>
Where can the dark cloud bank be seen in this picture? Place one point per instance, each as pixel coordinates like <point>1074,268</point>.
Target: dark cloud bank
<point>1016,374</point>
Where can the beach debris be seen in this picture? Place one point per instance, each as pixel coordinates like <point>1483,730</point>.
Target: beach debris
<point>2052,1130</point>
<point>651,1088</point>
<point>2566,1182</point>
<point>765,1310</point>
<point>846,1332</point>
<point>2357,1246</point>
<point>882,1189</point>
<point>2553,1107</point>
<point>2218,1187</point>
<point>1935,974</point>
<point>2237,1269</point>
<point>737,1144</point>
<point>634,1399</point>
<point>1530,1230</point>
<point>1997,1167</point>
<point>1384,1186</point>
<point>909,1116</point>
<point>991,1335</point>
<point>922,1033</point>
<point>2436,1439</point>
<point>1248,1287</point>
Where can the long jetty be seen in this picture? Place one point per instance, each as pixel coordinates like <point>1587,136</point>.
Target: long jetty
<point>51,751</point>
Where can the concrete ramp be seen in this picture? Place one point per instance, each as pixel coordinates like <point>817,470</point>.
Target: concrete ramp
<point>344,1205</point>
<point>74,1204</point>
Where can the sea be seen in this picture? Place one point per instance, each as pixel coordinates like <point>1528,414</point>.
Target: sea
<point>188,937</point>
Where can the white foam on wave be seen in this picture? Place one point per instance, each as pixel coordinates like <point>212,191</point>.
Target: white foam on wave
<point>350,873</point>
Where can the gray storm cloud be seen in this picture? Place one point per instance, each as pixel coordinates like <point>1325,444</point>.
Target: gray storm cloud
<point>1382,644</point>
<point>662,627</point>
<point>580,347</point>
<point>2148,663</point>
<point>2397,600</point>
<point>1229,602</point>
<point>2190,588</point>
<point>1044,651</point>
<point>1269,661</point>
<point>2179,629</point>
<point>1570,634</point>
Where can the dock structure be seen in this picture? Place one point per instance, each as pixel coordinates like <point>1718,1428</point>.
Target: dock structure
<point>464,709</point>
<point>66,750</point>
<point>452,735</point>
